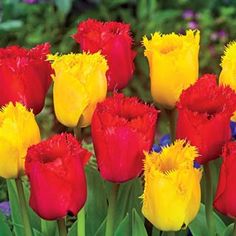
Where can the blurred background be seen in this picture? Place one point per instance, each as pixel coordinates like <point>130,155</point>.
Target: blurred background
<point>30,22</point>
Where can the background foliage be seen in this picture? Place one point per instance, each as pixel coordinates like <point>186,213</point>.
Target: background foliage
<point>30,22</point>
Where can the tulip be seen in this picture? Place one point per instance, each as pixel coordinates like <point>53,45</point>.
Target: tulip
<point>225,196</point>
<point>79,83</point>
<point>172,191</point>
<point>228,64</point>
<point>114,41</point>
<point>18,131</point>
<point>25,76</point>
<point>56,176</point>
<point>120,135</point>
<point>173,63</point>
<point>204,117</point>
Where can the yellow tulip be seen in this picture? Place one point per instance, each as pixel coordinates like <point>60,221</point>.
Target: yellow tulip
<point>79,84</point>
<point>173,63</point>
<point>228,64</point>
<point>18,131</point>
<point>172,192</point>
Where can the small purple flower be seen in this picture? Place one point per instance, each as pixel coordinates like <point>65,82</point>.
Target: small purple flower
<point>188,14</point>
<point>5,208</point>
<point>192,25</point>
<point>233,129</point>
<point>222,35</point>
<point>30,1</point>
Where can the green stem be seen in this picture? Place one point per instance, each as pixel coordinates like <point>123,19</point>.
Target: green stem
<point>77,132</point>
<point>61,227</point>
<point>171,233</point>
<point>111,210</point>
<point>234,230</point>
<point>81,222</point>
<point>209,199</point>
<point>23,206</point>
<point>172,122</point>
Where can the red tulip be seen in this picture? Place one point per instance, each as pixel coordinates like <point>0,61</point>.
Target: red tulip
<point>56,176</point>
<point>122,129</point>
<point>204,116</point>
<point>114,41</point>
<point>225,197</point>
<point>25,76</point>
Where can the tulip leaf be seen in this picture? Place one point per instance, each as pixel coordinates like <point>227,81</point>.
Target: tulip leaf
<point>15,210</point>
<point>4,229</point>
<point>128,198</point>
<point>48,228</point>
<point>124,228</point>
<point>138,228</point>
<point>96,204</point>
<point>73,229</point>
<point>131,225</point>
<point>101,229</point>
<point>199,225</point>
<point>156,232</point>
<point>229,230</point>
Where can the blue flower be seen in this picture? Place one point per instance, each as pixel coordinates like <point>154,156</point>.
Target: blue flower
<point>164,141</point>
<point>233,129</point>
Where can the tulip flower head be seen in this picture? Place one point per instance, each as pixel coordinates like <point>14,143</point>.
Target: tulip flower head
<point>18,131</point>
<point>225,196</point>
<point>25,76</point>
<point>173,63</point>
<point>56,176</point>
<point>79,83</point>
<point>122,128</point>
<point>114,41</point>
<point>228,64</point>
<point>203,110</point>
<point>172,191</point>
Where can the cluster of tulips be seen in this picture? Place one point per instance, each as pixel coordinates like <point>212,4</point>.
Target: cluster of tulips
<point>122,128</point>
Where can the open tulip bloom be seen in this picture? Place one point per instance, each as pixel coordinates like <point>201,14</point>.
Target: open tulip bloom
<point>173,63</point>
<point>172,191</point>
<point>56,176</point>
<point>205,109</point>
<point>79,83</point>
<point>25,76</point>
<point>119,135</point>
<point>114,41</point>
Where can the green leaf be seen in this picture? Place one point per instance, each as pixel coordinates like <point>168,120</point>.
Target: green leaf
<point>131,225</point>
<point>14,204</point>
<point>138,228</point>
<point>199,224</point>
<point>48,228</point>
<point>229,230</point>
<point>73,230</point>
<point>96,204</point>
<point>101,229</point>
<point>64,6</point>
<point>4,229</point>
<point>11,25</point>
<point>128,198</point>
<point>124,228</point>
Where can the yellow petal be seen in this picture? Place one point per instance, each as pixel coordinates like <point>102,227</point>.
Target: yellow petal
<point>228,72</point>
